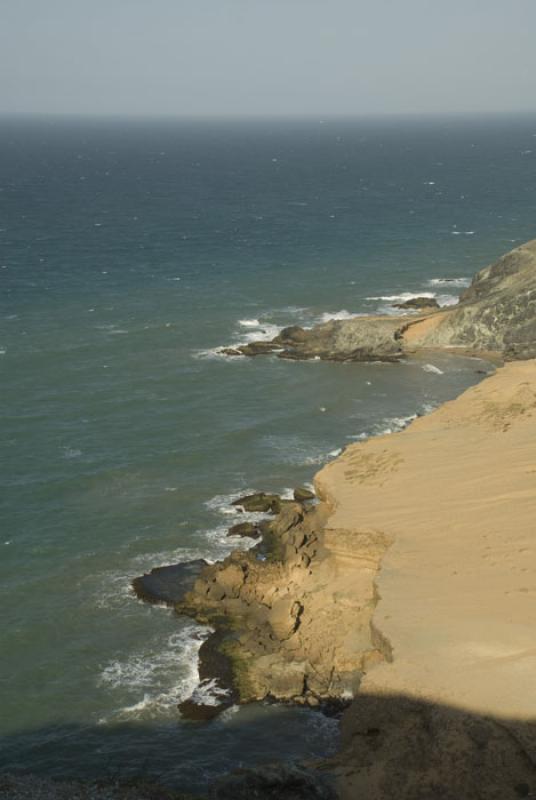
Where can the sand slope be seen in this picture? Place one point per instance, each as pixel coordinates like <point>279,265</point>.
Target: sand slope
<point>455,494</point>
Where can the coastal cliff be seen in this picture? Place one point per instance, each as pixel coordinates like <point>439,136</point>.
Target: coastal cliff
<point>496,315</point>
<point>411,588</point>
<point>407,592</point>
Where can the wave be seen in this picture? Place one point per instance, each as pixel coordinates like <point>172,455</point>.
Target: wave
<point>402,297</point>
<point>385,427</point>
<point>155,679</point>
<point>433,369</point>
<point>259,333</point>
<point>457,282</point>
<point>327,316</point>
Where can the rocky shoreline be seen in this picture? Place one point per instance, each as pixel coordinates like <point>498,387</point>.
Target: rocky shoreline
<point>495,316</point>
<point>296,617</point>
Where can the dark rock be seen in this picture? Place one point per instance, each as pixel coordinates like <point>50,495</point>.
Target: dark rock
<point>291,335</point>
<point>214,666</point>
<point>259,502</point>
<point>273,782</point>
<point>244,529</point>
<point>168,584</point>
<point>301,494</point>
<point>258,348</point>
<point>230,351</point>
<point>418,303</point>
<point>198,712</point>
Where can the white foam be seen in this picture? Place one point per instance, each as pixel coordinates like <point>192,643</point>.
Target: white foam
<point>249,323</point>
<point>447,299</point>
<point>402,297</point>
<point>335,453</point>
<point>71,452</point>
<point>393,425</point>
<point>463,233</point>
<point>148,677</point>
<point>327,316</point>
<point>216,354</point>
<point>263,333</point>
<point>433,369</point>
<point>208,693</point>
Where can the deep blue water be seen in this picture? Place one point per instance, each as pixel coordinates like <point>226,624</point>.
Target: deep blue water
<point>129,251</point>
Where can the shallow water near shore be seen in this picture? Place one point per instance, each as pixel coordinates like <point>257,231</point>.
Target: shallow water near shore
<point>129,253</point>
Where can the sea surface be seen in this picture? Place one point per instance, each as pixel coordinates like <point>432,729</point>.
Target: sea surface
<point>131,250</point>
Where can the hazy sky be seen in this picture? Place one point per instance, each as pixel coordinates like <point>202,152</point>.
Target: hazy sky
<point>267,56</point>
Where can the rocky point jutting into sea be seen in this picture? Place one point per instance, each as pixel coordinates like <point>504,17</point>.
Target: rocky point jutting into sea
<point>409,588</point>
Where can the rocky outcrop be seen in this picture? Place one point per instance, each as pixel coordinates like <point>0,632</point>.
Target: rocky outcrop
<point>302,495</point>
<point>259,502</point>
<point>496,315</point>
<point>293,613</point>
<point>168,584</point>
<point>418,304</point>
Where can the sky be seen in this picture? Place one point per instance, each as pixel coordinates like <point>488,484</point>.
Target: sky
<point>267,57</point>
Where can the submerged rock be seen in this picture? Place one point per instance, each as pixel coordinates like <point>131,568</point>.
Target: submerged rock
<point>168,584</point>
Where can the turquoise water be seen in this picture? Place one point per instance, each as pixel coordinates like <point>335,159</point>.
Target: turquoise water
<point>129,252</point>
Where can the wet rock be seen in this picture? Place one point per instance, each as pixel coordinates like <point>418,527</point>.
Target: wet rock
<point>230,351</point>
<point>198,712</point>
<point>274,782</point>
<point>301,494</point>
<point>244,529</point>
<point>215,669</point>
<point>259,502</point>
<point>418,303</point>
<point>168,584</point>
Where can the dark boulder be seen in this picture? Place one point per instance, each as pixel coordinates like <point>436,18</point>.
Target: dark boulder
<point>301,494</point>
<point>418,303</point>
<point>244,529</point>
<point>292,335</point>
<point>168,584</point>
<point>259,502</point>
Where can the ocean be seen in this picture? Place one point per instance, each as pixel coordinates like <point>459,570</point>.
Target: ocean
<point>130,250</point>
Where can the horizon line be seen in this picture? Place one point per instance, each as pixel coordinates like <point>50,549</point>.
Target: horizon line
<point>245,117</point>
